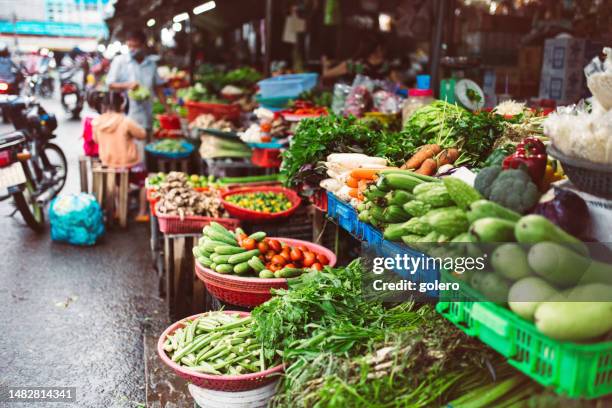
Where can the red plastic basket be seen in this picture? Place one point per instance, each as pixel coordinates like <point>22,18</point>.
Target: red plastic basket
<point>174,224</point>
<point>268,158</point>
<point>230,383</point>
<point>319,200</point>
<point>256,216</point>
<point>218,110</point>
<point>152,200</point>
<point>247,291</point>
<point>169,122</point>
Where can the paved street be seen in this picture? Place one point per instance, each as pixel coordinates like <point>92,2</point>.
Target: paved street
<point>71,316</point>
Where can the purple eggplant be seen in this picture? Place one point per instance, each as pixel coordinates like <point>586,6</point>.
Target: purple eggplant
<point>568,211</point>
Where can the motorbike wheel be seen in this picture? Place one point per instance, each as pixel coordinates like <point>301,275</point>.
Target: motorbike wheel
<point>32,212</point>
<point>54,160</point>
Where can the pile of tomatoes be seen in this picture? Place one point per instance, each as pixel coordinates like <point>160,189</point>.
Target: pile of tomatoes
<point>277,255</point>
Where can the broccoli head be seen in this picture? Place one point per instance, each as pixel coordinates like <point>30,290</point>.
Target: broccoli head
<point>514,190</point>
<point>485,178</point>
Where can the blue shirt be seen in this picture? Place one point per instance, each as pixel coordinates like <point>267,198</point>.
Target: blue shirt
<point>126,69</point>
<point>7,69</point>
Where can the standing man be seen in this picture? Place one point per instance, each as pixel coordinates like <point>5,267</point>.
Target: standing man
<point>133,71</point>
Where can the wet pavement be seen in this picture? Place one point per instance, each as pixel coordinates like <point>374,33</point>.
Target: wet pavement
<point>72,316</point>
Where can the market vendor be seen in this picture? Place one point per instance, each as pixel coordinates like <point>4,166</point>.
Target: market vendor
<point>371,63</point>
<point>137,74</point>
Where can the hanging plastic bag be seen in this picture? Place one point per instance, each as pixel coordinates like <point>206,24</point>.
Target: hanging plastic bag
<point>76,219</point>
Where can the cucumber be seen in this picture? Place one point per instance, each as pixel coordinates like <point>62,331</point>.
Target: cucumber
<point>562,266</point>
<point>196,251</point>
<point>395,232</point>
<point>400,181</point>
<point>242,268</point>
<point>373,193</point>
<point>288,272</point>
<point>238,231</point>
<point>220,259</point>
<point>491,229</point>
<point>377,213</point>
<point>395,213</point>
<point>411,173</point>
<point>220,228</point>
<point>382,186</point>
<point>266,274</point>
<point>224,268</point>
<point>256,264</point>
<point>258,236</point>
<point>425,187</point>
<point>461,193</point>
<point>485,208</point>
<point>204,261</point>
<point>221,237</point>
<point>228,250</point>
<point>243,257</point>
<point>211,245</point>
<point>213,266</point>
<point>410,239</point>
<point>536,228</point>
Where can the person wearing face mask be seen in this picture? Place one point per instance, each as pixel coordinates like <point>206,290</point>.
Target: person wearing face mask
<point>135,70</point>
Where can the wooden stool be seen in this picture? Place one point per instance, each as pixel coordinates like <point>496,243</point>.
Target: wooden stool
<point>112,197</point>
<point>86,164</point>
<point>185,294</point>
<point>168,165</point>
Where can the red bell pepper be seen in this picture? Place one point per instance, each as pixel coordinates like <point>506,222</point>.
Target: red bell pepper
<point>531,152</point>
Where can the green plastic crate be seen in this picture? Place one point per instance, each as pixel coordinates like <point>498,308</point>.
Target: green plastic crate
<point>571,369</point>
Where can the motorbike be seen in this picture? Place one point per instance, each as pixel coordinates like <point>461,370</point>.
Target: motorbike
<point>33,169</point>
<point>70,91</point>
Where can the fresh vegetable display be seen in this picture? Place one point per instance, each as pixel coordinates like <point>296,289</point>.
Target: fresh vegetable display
<point>234,252</point>
<point>218,343</point>
<point>208,121</point>
<point>176,196</point>
<point>513,188</point>
<point>169,146</point>
<point>531,154</point>
<point>266,202</point>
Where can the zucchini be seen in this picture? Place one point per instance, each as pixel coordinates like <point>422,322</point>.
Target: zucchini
<point>266,274</point>
<point>416,208</point>
<point>204,261</point>
<point>398,197</point>
<point>394,214</point>
<point>228,250</point>
<point>493,230</point>
<point>485,208</point>
<point>394,232</point>
<point>377,213</point>
<point>225,268</point>
<point>398,181</point>
<point>382,186</point>
<point>536,228</point>
<point>256,264</point>
<point>213,266</point>
<point>372,193</point>
<point>258,236</point>
<point>460,192</point>
<point>242,268</point>
<point>220,228</point>
<point>243,257</point>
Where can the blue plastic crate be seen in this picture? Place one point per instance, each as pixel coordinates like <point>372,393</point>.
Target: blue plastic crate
<point>344,214</point>
<point>371,235</point>
<point>287,86</point>
<point>171,155</point>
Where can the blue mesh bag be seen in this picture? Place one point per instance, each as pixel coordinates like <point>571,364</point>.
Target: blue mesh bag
<point>76,219</point>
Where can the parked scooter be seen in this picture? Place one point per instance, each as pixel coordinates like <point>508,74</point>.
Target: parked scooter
<point>71,92</point>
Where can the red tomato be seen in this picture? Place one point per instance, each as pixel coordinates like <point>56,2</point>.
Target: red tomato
<point>249,243</point>
<point>263,247</point>
<point>275,245</point>
<point>262,258</point>
<point>322,259</point>
<point>296,254</point>
<point>270,254</point>
<point>303,248</point>
<point>317,266</point>
<point>309,259</point>
<point>290,265</point>
<point>286,253</point>
<point>274,267</point>
<point>278,260</point>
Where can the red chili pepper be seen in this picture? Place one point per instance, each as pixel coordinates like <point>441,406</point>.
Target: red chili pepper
<point>532,153</point>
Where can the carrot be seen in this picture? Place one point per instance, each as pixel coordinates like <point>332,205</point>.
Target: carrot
<point>425,152</point>
<point>363,173</point>
<point>428,168</point>
<point>353,192</point>
<point>447,156</point>
<point>352,182</point>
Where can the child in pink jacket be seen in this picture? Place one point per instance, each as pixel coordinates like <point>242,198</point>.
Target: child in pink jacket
<point>120,141</point>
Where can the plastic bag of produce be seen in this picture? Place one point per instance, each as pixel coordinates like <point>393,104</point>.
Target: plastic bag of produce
<point>76,219</point>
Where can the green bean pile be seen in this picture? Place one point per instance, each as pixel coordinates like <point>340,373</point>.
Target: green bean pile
<point>218,343</point>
